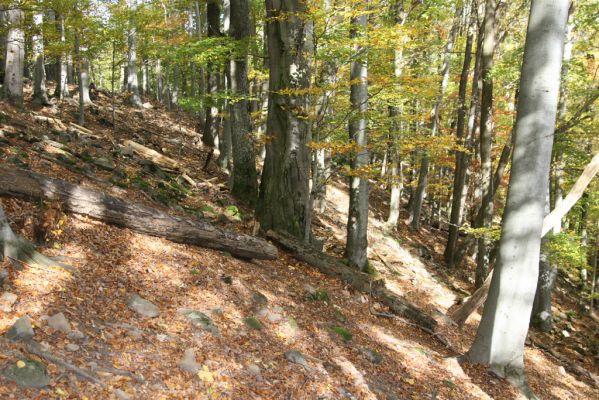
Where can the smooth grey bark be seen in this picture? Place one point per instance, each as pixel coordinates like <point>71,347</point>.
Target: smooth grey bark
<point>486,140</point>
<point>212,123</point>
<point>40,94</point>
<point>420,192</point>
<point>62,89</point>
<point>83,66</point>
<point>244,180</point>
<point>225,141</point>
<point>201,73</point>
<point>503,328</point>
<point>159,82</point>
<point>284,197</point>
<point>132,81</point>
<point>461,157</point>
<point>14,59</point>
<point>356,248</point>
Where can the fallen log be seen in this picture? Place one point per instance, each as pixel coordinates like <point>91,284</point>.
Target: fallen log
<point>115,211</point>
<point>152,155</point>
<point>358,280</point>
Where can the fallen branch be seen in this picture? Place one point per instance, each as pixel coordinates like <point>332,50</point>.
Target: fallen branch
<point>152,155</point>
<point>358,280</point>
<point>139,218</point>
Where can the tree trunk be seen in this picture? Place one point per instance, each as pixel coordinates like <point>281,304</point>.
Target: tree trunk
<point>284,189</point>
<point>434,123</point>
<point>62,88</point>
<point>119,212</point>
<point>132,83</point>
<point>461,158</point>
<point>245,181</point>
<point>39,73</point>
<point>486,141</point>
<point>14,59</point>
<point>356,249</point>
<point>211,126</point>
<point>502,332</point>
<point>159,82</point>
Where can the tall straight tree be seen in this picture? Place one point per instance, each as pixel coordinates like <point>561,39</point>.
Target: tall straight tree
<point>14,59</point>
<point>503,328</point>
<point>39,71</point>
<point>244,182</point>
<point>211,125</point>
<point>356,247</point>
<point>62,89</point>
<point>132,81</point>
<point>283,202</point>
<point>486,139</point>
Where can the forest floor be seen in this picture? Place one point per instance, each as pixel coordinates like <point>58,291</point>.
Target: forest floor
<point>254,312</point>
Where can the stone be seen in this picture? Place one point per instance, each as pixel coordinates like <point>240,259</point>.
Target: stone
<point>59,322</point>
<point>309,288</point>
<point>121,395</point>
<point>142,306</point>
<point>72,347</point>
<point>561,370</point>
<point>372,355</point>
<point>296,357</point>
<point>27,373</point>
<point>3,276</point>
<point>76,335</point>
<point>199,319</point>
<point>259,298</point>
<point>21,330</point>
<point>104,163</point>
<point>254,370</point>
<point>147,106</point>
<point>188,362</point>
<point>6,301</point>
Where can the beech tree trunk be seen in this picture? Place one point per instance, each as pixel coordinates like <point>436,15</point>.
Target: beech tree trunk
<point>461,158</point>
<point>132,81</point>
<point>502,332</point>
<point>356,248</point>
<point>244,180</point>
<point>212,124</point>
<point>14,59</point>
<point>283,203</point>
<point>62,89</point>
<point>39,71</point>
<point>119,212</point>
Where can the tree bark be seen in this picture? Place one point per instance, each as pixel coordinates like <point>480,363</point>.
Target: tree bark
<point>62,89</point>
<point>504,325</point>
<point>132,82</point>
<point>39,72</point>
<point>119,212</point>
<point>14,59</point>
<point>356,249</point>
<point>284,189</point>
<point>244,180</point>
<point>486,141</point>
<point>211,126</point>
<point>461,161</point>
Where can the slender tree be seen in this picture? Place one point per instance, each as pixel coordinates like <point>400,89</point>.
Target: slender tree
<point>14,59</point>
<point>39,70</point>
<point>357,220</point>
<point>502,332</point>
<point>132,81</point>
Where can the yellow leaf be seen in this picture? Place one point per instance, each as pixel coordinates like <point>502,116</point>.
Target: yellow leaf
<point>61,392</point>
<point>20,364</point>
<point>205,375</point>
<point>411,381</point>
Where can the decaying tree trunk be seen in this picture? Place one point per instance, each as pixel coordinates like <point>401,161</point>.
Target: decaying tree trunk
<point>119,212</point>
<point>358,280</point>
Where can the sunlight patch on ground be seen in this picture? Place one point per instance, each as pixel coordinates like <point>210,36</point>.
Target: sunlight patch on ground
<point>350,370</point>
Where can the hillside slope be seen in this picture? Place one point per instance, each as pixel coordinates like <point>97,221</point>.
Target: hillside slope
<point>258,329</point>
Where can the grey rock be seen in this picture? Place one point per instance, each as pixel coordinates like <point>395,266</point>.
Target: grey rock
<point>32,374</point>
<point>259,299</point>
<point>21,330</point>
<point>188,362</point>
<point>76,335</point>
<point>6,301</point>
<point>104,163</point>
<point>372,355</point>
<point>201,320</point>
<point>121,395</point>
<point>59,322</point>
<point>72,347</point>
<point>296,357</point>
<point>254,370</point>
<point>309,288</point>
<point>142,306</point>
<point>3,276</point>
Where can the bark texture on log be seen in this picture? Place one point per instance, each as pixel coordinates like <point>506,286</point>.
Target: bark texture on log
<point>358,280</point>
<point>139,218</point>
